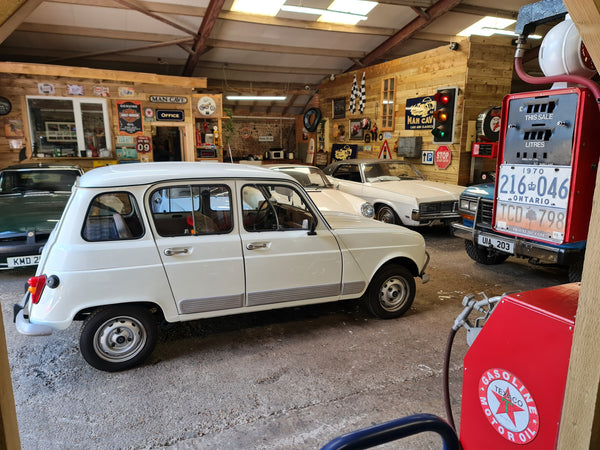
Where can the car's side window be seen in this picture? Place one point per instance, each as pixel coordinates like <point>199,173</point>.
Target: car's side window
<point>348,172</point>
<point>112,216</point>
<point>192,210</point>
<point>268,207</point>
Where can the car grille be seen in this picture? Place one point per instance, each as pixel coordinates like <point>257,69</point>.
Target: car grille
<point>39,237</point>
<point>485,213</point>
<point>438,210</point>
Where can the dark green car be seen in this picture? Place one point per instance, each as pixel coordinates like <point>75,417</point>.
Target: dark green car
<point>32,199</point>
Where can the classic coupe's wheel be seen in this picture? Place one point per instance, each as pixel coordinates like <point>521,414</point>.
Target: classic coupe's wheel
<point>484,255</point>
<point>387,215</point>
<point>391,292</point>
<point>118,337</point>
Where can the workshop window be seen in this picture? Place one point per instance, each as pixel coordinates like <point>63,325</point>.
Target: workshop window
<point>76,127</point>
<point>388,94</point>
<point>192,210</point>
<point>268,207</point>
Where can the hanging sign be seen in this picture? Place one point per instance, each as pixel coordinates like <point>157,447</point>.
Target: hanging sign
<point>443,157</point>
<point>384,153</point>
<point>419,113</point>
<point>130,117</point>
<point>170,115</point>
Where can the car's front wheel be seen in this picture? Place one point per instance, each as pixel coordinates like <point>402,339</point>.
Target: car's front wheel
<point>118,337</point>
<point>391,292</point>
<point>484,255</point>
<point>387,215</point>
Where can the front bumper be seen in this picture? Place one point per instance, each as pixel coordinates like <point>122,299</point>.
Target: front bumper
<point>16,247</point>
<point>424,276</point>
<point>536,251</point>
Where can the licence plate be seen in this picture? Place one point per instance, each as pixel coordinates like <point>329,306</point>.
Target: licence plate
<point>534,185</point>
<point>503,245</point>
<point>531,221</point>
<point>23,261</point>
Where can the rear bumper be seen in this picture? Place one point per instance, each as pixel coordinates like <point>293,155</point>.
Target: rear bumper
<point>537,251</point>
<point>24,326</point>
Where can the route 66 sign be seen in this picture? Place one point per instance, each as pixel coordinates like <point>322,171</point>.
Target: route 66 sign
<point>143,144</point>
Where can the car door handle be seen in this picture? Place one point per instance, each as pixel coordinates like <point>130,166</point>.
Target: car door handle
<point>255,245</point>
<point>176,251</point>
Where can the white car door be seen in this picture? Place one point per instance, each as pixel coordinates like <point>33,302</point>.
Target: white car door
<point>284,260</point>
<point>199,245</point>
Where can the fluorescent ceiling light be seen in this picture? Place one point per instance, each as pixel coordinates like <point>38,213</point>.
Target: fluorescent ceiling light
<point>487,26</point>
<point>255,97</point>
<point>512,33</point>
<point>262,7</point>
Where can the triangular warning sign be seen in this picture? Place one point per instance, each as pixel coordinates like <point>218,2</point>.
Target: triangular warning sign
<point>385,151</point>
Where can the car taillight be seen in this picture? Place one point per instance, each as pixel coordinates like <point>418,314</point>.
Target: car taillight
<point>36,286</point>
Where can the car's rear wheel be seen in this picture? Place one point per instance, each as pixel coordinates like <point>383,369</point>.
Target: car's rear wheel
<point>484,255</point>
<point>118,337</point>
<point>391,292</point>
<point>387,215</point>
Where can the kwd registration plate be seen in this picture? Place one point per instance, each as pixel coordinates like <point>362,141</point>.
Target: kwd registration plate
<point>532,201</point>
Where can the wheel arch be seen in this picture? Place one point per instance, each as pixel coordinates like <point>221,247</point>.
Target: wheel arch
<point>401,261</point>
<point>153,307</point>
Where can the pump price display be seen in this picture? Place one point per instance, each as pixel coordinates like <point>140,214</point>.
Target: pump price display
<point>532,200</point>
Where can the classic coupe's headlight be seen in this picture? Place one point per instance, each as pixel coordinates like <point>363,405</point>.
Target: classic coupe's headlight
<point>367,210</point>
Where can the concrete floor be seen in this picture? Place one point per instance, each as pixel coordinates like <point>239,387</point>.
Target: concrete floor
<point>290,379</point>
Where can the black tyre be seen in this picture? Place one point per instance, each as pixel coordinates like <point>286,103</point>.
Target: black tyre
<point>484,255</point>
<point>387,215</point>
<point>118,337</point>
<point>391,292</point>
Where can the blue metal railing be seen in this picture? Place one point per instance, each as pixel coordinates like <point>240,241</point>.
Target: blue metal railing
<point>395,429</point>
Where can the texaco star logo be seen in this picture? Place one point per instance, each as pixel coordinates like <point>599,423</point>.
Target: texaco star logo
<point>508,406</point>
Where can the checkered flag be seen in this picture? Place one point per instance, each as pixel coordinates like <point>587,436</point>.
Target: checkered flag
<point>362,99</point>
<point>353,95</point>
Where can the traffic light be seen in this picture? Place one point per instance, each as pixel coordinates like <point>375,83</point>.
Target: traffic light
<point>443,116</point>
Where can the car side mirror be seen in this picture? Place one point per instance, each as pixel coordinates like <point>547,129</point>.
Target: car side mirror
<point>313,227</point>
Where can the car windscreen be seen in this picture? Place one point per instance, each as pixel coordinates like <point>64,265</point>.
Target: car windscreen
<point>12,181</point>
<point>375,172</point>
<point>308,177</point>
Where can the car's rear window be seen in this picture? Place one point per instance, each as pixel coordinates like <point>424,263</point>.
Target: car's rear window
<point>113,216</point>
<point>12,181</point>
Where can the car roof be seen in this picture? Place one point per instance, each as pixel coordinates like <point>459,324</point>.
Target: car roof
<point>40,165</point>
<point>116,175</point>
<point>291,166</point>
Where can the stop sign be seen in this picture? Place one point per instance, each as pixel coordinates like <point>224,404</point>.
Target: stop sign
<point>443,156</point>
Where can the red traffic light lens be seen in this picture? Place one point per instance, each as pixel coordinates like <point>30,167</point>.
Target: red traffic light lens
<point>441,98</point>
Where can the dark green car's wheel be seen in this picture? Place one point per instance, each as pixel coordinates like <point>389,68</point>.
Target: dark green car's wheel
<point>387,215</point>
<point>391,292</point>
<point>118,337</point>
<point>484,255</point>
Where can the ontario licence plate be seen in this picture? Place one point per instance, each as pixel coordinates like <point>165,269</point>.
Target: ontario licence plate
<point>23,261</point>
<point>503,245</point>
<point>531,221</point>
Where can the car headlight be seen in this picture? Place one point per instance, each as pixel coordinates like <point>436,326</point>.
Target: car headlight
<point>467,204</point>
<point>367,210</point>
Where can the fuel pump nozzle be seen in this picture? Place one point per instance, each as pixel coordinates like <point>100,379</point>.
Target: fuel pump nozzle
<point>484,306</point>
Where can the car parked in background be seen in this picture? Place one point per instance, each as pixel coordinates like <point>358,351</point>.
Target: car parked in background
<point>183,241</point>
<point>32,199</point>
<point>322,192</point>
<point>398,191</point>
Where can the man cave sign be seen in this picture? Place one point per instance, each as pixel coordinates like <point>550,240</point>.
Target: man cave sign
<point>508,406</point>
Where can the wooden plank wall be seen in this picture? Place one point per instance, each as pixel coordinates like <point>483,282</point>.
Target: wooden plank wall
<point>480,67</point>
<point>15,86</point>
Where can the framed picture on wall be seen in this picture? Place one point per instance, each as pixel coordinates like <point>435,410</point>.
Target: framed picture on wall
<point>356,131</point>
<point>339,108</point>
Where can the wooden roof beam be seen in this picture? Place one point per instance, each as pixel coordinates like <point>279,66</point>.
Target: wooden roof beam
<point>201,43</point>
<point>436,11</point>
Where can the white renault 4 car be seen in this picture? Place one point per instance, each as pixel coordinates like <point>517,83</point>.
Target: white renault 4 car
<point>174,241</point>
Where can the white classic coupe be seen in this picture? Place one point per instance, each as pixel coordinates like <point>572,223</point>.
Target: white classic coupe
<point>173,241</point>
<point>397,190</point>
<point>322,191</point>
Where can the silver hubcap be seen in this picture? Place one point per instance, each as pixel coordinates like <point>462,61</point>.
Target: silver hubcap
<point>393,294</point>
<point>386,215</point>
<point>119,339</point>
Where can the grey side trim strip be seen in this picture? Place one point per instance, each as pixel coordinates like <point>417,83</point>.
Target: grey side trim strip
<point>197,305</point>
<point>293,294</point>
<point>354,287</point>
